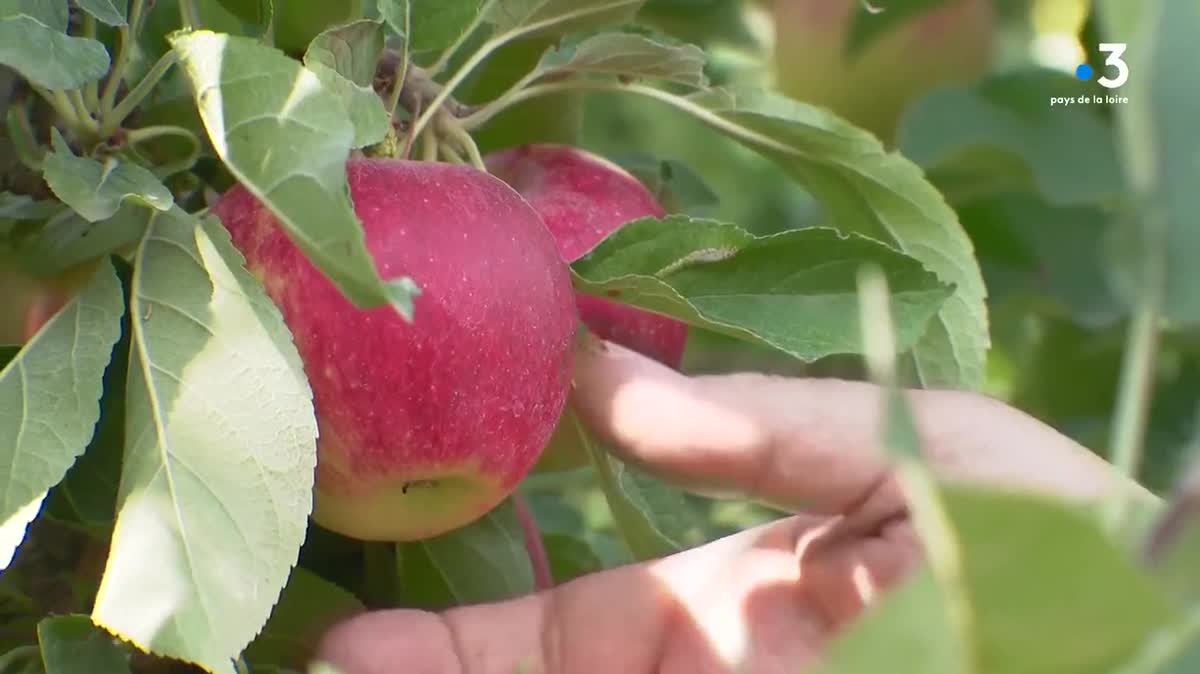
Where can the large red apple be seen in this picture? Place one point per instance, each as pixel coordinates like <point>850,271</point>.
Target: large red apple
<point>583,198</point>
<point>424,426</point>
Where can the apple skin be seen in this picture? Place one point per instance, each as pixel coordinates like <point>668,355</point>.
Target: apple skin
<point>583,198</point>
<point>953,43</point>
<point>424,426</point>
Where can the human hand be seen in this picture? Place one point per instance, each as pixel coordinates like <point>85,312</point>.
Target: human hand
<point>765,600</point>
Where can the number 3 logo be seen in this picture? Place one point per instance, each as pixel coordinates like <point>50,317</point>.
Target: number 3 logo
<point>1114,51</point>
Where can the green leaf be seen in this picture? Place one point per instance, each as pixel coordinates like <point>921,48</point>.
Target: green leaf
<point>641,537</point>
<point>111,12</point>
<point>8,352</point>
<point>664,507</point>
<point>87,497</point>
<point>1084,609</point>
<point>1163,151</point>
<point>351,50</point>
<point>24,659</point>
<point>867,190</point>
<point>364,107</point>
<point>795,291</point>
<point>395,14</point>
<point>673,184</point>
<point>482,562</point>
<point>344,59</point>
<point>433,24</point>
<point>24,207</point>
<point>878,17</point>
<point>49,405</point>
<point>307,607</point>
<point>48,57</point>
<point>1002,134</point>
<point>1026,244</point>
<point>220,451</point>
<point>909,625</point>
<point>287,138</point>
<point>54,14</point>
<point>536,16</point>
<point>68,239</point>
<point>72,644</point>
<point>96,190</point>
<point>627,54</point>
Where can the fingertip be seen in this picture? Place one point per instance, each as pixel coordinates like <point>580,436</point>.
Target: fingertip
<point>382,642</point>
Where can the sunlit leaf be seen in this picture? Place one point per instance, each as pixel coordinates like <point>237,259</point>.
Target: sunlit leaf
<point>795,291</point>
<point>220,450</point>
<point>48,57</point>
<point>287,138</point>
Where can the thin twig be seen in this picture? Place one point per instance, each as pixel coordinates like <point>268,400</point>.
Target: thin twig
<point>539,561</point>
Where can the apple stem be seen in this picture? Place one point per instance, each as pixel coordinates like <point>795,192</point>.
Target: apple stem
<point>448,126</point>
<point>538,560</point>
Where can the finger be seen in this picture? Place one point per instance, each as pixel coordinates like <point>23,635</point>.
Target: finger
<point>813,443</point>
<point>633,619</point>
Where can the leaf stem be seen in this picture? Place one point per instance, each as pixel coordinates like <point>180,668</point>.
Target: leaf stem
<point>148,133</point>
<point>134,98</point>
<point>398,83</point>
<point>24,143</point>
<point>117,76</point>
<point>62,106</point>
<point>448,53</point>
<point>543,579</point>
<point>686,105</point>
<point>1135,393</point>
<point>429,147</point>
<point>91,95</point>
<point>86,121</point>
<point>188,14</point>
<point>492,44</point>
<point>448,125</point>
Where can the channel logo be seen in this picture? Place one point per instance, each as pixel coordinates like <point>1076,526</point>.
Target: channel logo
<point>1116,73</point>
<point>1114,50</point>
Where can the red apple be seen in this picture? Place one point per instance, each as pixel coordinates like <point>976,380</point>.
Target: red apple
<point>424,426</point>
<point>583,198</point>
<point>40,299</point>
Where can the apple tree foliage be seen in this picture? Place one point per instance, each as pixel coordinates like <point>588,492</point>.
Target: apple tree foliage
<point>157,433</point>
